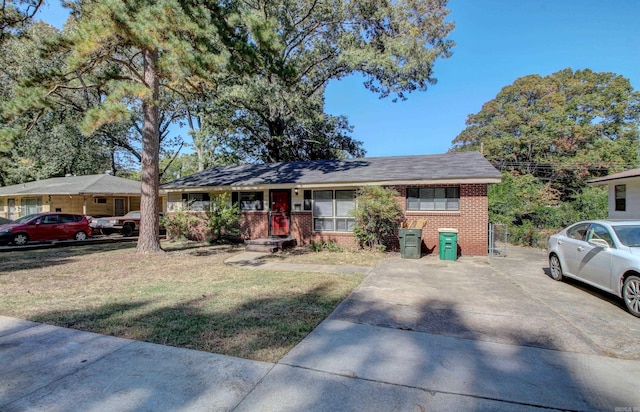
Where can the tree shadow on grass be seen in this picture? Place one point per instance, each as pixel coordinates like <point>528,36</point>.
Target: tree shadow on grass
<point>40,258</point>
<point>261,329</point>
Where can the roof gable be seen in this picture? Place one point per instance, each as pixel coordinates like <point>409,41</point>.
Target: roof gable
<point>448,166</point>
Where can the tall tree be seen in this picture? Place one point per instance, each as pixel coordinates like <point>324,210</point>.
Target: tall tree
<point>278,113</point>
<point>53,145</point>
<point>130,49</point>
<point>562,128</point>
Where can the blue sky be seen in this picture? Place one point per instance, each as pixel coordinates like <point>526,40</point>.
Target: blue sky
<point>497,41</point>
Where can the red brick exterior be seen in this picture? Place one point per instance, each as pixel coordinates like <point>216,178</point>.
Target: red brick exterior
<point>471,221</point>
<point>254,225</point>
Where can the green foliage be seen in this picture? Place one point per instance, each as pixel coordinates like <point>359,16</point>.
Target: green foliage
<point>222,216</point>
<point>518,197</point>
<point>532,210</point>
<point>377,216</point>
<point>177,167</point>
<point>330,246</point>
<point>53,145</point>
<point>277,113</point>
<point>563,128</point>
<point>179,225</point>
<point>14,16</point>
<point>591,202</point>
<point>130,50</point>
<point>549,135</point>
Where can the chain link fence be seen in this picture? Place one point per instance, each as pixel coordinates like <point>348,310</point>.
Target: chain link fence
<point>498,234</point>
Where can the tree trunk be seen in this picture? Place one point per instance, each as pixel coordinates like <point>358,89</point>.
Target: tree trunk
<point>148,241</point>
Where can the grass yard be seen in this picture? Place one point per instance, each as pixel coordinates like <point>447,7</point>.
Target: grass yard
<point>345,257</point>
<point>186,297</point>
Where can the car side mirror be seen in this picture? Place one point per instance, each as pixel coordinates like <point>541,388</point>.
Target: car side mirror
<point>599,243</point>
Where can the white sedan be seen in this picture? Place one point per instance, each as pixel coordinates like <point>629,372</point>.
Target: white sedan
<point>602,253</point>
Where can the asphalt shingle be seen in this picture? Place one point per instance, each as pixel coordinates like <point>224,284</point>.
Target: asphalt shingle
<point>454,166</point>
<point>102,184</point>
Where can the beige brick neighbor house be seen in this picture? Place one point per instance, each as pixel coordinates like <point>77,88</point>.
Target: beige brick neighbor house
<point>94,195</point>
<point>312,200</point>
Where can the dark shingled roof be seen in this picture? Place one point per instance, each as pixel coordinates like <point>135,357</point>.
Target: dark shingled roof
<point>616,176</point>
<point>448,166</point>
<point>75,185</point>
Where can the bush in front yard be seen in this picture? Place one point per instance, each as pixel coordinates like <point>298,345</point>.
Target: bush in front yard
<point>377,216</point>
<point>222,216</point>
<point>179,224</point>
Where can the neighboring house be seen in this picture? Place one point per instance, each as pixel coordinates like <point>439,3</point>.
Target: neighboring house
<point>92,195</point>
<point>624,193</point>
<point>312,200</point>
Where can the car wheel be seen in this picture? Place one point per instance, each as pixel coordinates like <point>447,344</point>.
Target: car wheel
<point>631,294</point>
<point>127,230</point>
<point>80,236</point>
<point>556,267</point>
<point>20,239</point>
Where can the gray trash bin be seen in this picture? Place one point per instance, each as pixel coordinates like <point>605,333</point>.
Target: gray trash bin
<point>410,243</point>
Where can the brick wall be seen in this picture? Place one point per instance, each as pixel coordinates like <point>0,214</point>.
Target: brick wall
<point>471,222</point>
<point>254,225</point>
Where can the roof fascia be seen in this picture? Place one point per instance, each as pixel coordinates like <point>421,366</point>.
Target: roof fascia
<point>603,182</point>
<point>236,188</point>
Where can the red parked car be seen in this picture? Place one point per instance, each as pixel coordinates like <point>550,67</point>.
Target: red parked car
<point>45,226</point>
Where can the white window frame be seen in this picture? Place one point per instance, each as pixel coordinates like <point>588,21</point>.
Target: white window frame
<point>433,199</point>
<point>30,209</point>
<point>337,219</point>
<point>252,201</point>
<point>195,201</point>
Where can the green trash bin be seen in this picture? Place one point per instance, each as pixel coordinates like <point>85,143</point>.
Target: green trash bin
<point>410,243</point>
<point>448,244</point>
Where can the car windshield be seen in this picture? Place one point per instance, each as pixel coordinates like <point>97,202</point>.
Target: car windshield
<point>24,219</point>
<point>133,215</point>
<point>628,235</point>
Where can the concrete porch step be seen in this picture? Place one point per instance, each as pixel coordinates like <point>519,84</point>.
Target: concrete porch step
<point>269,245</point>
<point>261,248</point>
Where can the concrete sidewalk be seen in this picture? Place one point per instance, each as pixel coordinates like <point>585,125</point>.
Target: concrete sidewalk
<point>363,357</point>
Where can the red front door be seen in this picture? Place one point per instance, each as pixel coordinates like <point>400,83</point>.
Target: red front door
<point>279,213</point>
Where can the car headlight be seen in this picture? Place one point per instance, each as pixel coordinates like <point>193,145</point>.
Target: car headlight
<point>5,229</point>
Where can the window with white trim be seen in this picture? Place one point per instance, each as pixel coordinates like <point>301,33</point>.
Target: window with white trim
<point>433,198</point>
<point>332,210</point>
<point>30,205</point>
<point>251,200</point>
<point>195,201</point>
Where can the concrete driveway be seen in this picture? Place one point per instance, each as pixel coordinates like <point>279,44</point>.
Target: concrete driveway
<point>475,334</point>
<point>508,300</point>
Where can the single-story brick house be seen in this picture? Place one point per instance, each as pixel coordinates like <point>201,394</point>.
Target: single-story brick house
<point>624,193</point>
<point>311,200</point>
<point>94,195</point>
